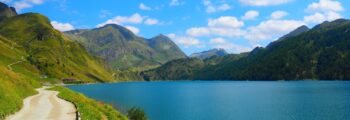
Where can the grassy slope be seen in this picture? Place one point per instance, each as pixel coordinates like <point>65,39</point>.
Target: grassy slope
<point>89,109</point>
<point>50,51</point>
<point>30,41</point>
<point>17,84</point>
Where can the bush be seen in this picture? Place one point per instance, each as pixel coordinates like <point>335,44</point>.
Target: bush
<point>137,114</point>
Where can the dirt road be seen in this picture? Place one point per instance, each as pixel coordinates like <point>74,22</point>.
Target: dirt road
<point>45,106</point>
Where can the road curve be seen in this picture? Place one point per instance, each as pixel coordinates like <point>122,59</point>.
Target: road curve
<point>45,106</point>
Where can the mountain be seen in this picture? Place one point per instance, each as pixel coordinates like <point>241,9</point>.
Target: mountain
<point>210,53</point>
<point>186,68</point>
<point>33,53</point>
<point>6,11</point>
<point>50,51</point>
<point>296,32</point>
<point>321,53</point>
<point>122,49</point>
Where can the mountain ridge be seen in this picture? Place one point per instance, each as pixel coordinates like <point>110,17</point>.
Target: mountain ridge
<point>122,49</point>
<point>218,52</point>
<point>6,11</point>
<point>318,54</point>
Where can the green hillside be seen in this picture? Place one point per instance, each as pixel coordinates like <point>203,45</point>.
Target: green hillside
<point>33,53</point>
<point>320,53</point>
<point>187,68</point>
<point>49,51</point>
<point>18,81</point>
<point>122,49</point>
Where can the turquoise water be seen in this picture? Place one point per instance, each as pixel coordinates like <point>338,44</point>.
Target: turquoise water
<point>301,100</point>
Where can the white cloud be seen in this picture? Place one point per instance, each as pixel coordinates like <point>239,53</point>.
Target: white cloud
<point>278,14</point>
<point>104,13</point>
<point>321,17</point>
<point>227,26</point>
<point>211,8</point>
<point>198,31</point>
<point>185,40</point>
<point>325,6</point>
<point>144,7</point>
<point>225,21</point>
<point>224,7</point>
<point>5,1</point>
<point>218,41</point>
<point>227,32</point>
<point>324,10</point>
<point>35,1</point>
<point>263,2</point>
<point>23,4</point>
<point>250,15</point>
<point>62,26</point>
<point>270,29</point>
<point>133,29</point>
<point>133,19</point>
<point>151,21</point>
<point>175,3</point>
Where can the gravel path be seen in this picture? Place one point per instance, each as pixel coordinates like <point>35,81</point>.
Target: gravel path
<point>45,106</point>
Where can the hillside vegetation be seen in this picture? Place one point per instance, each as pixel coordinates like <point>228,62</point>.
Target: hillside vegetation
<point>33,53</point>
<point>187,68</point>
<point>322,53</point>
<point>210,53</point>
<point>89,109</point>
<point>49,51</point>
<point>17,83</point>
<point>122,49</point>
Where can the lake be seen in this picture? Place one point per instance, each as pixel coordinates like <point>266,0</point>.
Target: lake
<point>224,100</point>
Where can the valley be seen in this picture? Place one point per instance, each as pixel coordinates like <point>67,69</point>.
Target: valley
<point>216,66</point>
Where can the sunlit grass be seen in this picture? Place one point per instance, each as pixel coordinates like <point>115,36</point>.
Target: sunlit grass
<point>89,109</point>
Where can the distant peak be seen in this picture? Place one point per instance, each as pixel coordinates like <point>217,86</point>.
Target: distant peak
<point>6,11</point>
<point>3,5</point>
<point>303,27</point>
<point>341,20</point>
<point>327,24</point>
<point>218,49</point>
<point>296,32</point>
<point>161,36</point>
<point>111,25</point>
<point>210,53</point>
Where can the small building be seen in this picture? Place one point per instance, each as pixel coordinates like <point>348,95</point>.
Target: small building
<point>71,81</point>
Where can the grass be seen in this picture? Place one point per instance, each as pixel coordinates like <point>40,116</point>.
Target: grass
<point>43,50</point>
<point>14,88</point>
<point>89,109</point>
<point>50,51</point>
<point>15,84</point>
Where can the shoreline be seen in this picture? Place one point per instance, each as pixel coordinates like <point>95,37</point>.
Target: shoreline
<point>170,81</point>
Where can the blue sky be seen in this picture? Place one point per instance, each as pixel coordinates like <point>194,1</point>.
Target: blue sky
<point>195,25</point>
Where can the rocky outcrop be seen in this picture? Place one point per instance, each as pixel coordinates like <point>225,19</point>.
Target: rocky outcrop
<point>6,11</point>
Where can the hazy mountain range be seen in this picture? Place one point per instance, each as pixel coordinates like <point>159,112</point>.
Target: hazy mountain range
<point>210,53</point>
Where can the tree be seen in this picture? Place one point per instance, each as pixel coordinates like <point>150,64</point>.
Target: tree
<point>137,114</point>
